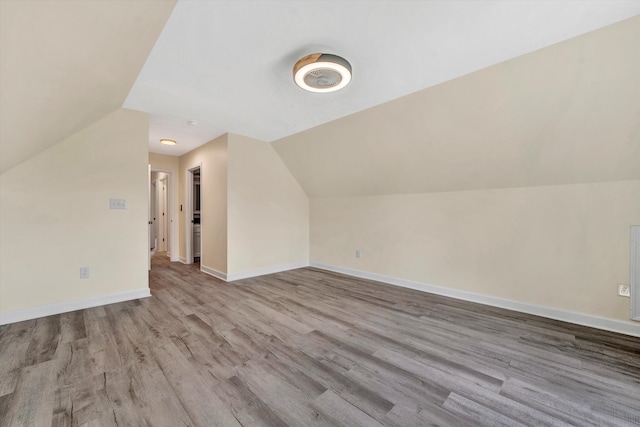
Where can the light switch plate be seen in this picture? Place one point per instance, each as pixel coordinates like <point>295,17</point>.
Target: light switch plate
<point>117,204</point>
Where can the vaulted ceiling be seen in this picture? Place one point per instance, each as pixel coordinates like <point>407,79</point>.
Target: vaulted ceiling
<point>227,64</point>
<point>565,114</point>
<point>66,64</point>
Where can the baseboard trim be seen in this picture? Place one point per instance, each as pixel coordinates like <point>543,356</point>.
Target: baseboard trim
<point>67,306</point>
<point>213,272</point>
<point>182,260</point>
<point>268,270</point>
<point>603,323</point>
<point>253,273</point>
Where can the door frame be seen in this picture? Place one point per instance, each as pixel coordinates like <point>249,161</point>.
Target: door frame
<point>189,213</point>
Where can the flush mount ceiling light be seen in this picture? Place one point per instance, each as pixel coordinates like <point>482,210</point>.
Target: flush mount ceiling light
<point>322,72</point>
<point>168,142</point>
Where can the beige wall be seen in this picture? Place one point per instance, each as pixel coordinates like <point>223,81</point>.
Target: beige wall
<point>519,181</point>
<point>254,214</point>
<point>564,247</point>
<point>66,64</point>
<point>56,217</point>
<point>268,210</point>
<point>213,198</point>
<point>164,162</point>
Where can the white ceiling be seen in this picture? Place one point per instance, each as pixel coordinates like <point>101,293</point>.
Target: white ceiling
<point>227,64</point>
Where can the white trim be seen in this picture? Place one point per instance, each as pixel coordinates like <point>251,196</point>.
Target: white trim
<point>253,273</point>
<point>606,324</point>
<point>267,270</point>
<point>182,260</point>
<point>67,306</point>
<point>213,272</point>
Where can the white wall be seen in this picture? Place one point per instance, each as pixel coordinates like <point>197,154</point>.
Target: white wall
<point>56,217</point>
<point>268,212</point>
<point>563,247</point>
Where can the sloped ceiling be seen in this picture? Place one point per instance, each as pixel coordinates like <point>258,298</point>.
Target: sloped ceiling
<point>66,64</point>
<point>569,113</point>
<point>228,64</point>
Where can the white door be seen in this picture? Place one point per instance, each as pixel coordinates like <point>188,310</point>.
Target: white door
<point>162,215</point>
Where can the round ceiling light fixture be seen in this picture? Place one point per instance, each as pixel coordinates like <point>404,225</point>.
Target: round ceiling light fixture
<point>168,141</point>
<point>322,72</point>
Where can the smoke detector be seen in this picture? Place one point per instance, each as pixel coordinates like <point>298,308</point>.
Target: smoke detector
<point>322,72</point>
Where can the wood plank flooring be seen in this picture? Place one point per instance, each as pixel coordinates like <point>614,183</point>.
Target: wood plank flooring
<point>310,348</point>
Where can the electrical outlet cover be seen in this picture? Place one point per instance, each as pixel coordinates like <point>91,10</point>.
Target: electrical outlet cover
<point>623,290</point>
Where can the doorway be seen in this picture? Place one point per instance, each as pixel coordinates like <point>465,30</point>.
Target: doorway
<point>162,227</point>
<point>193,215</point>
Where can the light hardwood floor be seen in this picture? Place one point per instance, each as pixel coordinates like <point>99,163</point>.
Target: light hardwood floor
<point>310,348</point>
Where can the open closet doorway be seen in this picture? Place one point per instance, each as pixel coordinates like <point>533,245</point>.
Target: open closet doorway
<point>193,215</point>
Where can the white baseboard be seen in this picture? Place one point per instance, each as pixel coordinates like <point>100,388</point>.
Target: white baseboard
<point>67,306</point>
<point>182,260</point>
<point>253,273</point>
<point>627,328</point>
<point>213,272</point>
<point>267,270</point>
